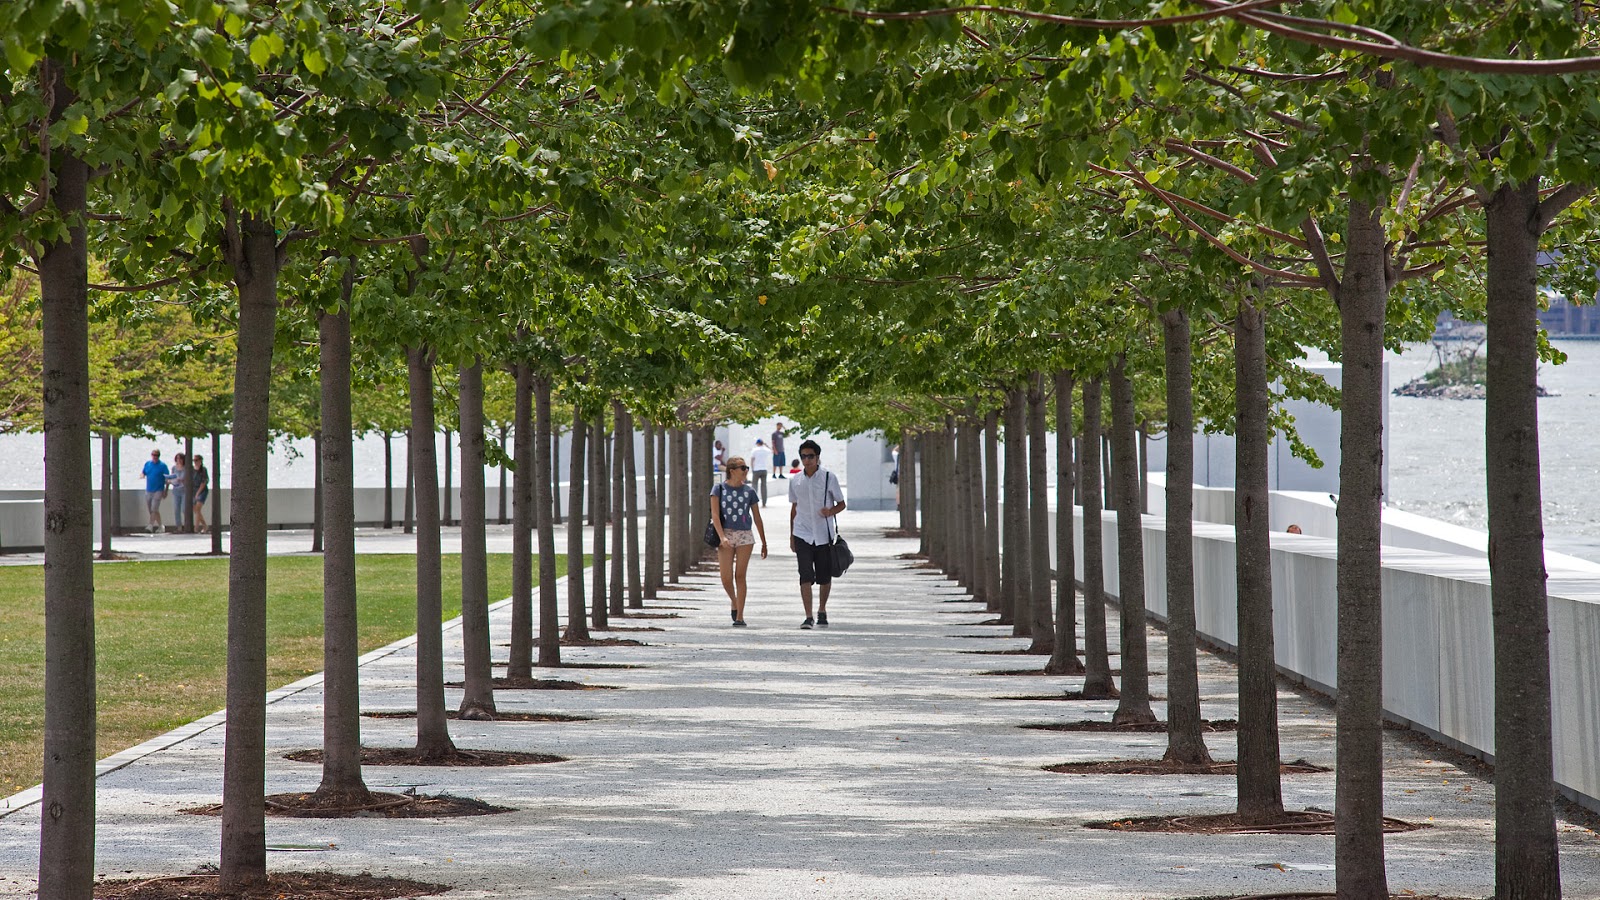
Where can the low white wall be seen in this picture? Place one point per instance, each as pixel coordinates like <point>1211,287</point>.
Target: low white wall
<point>1438,639</point>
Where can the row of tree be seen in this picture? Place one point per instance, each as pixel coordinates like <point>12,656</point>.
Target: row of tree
<point>620,202</point>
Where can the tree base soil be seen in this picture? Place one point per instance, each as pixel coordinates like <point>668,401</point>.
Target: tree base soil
<point>1208,726</point>
<point>597,642</point>
<point>544,684</point>
<point>377,805</point>
<point>650,615</point>
<point>1041,672</point>
<point>1309,821</point>
<point>629,628</point>
<point>499,716</point>
<point>408,756</point>
<point>1071,697</point>
<point>279,886</point>
<point>1013,651</point>
<point>1167,767</point>
<point>500,664</point>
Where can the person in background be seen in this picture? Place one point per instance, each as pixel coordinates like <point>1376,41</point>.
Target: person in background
<point>814,499</point>
<point>202,490</point>
<point>779,459</point>
<point>733,510</point>
<point>718,453</point>
<point>760,466</point>
<point>155,489</point>
<point>178,478</point>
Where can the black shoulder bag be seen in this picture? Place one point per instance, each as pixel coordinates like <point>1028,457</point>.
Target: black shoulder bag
<point>841,555</point>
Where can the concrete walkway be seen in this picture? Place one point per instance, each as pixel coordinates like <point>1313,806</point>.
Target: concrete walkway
<point>867,760</point>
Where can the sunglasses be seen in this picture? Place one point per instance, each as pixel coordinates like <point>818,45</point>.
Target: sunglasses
<point>738,468</point>
<point>808,456</point>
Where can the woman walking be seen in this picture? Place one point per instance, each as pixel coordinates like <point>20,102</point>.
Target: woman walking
<point>735,505</point>
<point>202,491</point>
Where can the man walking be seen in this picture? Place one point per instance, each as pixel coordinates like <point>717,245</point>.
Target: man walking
<point>760,463</point>
<point>155,489</point>
<point>814,499</point>
<point>779,460</point>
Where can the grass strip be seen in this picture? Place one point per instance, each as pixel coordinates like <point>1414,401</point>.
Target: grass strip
<point>161,632</point>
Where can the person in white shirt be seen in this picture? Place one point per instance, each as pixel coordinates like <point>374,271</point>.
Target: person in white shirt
<point>814,499</point>
<point>760,466</point>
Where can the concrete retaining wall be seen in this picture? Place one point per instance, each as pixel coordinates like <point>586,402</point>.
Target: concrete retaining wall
<point>1437,631</point>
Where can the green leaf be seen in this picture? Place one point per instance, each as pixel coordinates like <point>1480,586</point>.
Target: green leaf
<point>315,62</point>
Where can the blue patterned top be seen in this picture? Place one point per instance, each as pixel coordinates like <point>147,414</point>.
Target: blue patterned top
<point>736,503</point>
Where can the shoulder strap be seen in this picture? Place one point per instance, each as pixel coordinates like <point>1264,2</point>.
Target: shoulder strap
<point>834,520</point>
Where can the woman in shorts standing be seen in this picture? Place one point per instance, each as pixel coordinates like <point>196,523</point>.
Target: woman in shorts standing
<point>735,506</point>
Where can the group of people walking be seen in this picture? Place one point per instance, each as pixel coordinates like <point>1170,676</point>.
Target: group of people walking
<point>160,480</point>
<point>815,499</point>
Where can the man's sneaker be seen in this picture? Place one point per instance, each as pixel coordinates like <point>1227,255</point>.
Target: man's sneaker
<point>822,620</point>
<point>807,623</point>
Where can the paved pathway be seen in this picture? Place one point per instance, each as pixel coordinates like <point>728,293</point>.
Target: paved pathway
<point>868,760</point>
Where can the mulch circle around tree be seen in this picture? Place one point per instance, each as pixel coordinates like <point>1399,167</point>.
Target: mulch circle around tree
<point>1293,822</point>
<point>1209,726</point>
<point>279,886</point>
<point>1043,674</point>
<point>379,805</point>
<point>543,684</point>
<point>1163,767</point>
<point>499,716</point>
<point>598,642</point>
<point>627,628</point>
<point>461,759</point>
<point>1071,696</point>
<point>1011,651</point>
<point>654,615</point>
<point>986,622</point>
<point>1316,895</point>
<point>500,664</point>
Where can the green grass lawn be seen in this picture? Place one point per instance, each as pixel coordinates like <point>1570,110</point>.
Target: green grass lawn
<point>161,640</point>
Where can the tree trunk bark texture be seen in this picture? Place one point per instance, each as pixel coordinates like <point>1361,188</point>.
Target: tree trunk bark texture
<point>545,503</point>
<point>1044,627</point>
<point>66,829</point>
<point>1064,654</point>
<point>1358,771</point>
<point>341,706</point>
<point>600,484</point>
<point>1097,683</point>
<point>678,505</point>
<point>1015,604</point>
<point>652,514</point>
<point>960,564</point>
<point>577,624</point>
<point>1134,704</point>
<point>244,838</point>
<point>1185,742</point>
<point>409,514</point>
<point>433,734</point>
<point>477,696</point>
<point>972,509</point>
<point>1527,865</point>
<point>524,493</point>
<point>1260,788</point>
<point>991,510</point>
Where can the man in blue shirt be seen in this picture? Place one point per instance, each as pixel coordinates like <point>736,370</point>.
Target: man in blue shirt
<point>155,488</point>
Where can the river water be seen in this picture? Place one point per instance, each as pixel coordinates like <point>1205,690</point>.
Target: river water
<point>1436,465</point>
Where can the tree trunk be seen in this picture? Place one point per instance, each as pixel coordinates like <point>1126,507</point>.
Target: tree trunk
<point>555,472</point>
<point>477,697</point>
<point>1097,683</point>
<point>1134,704</point>
<point>959,566</point>
<point>216,493</point>
<point>505,448</point>
<point>652,514</point>
<point>628,504</point>
<point>388,480</point>
<point>679,502</point>
<point>1527,864</point>
<point>1044,629</point>
<point>108,480</point>
<point>1260,789</point>
<point>545,502</point>
<point>577,625</point>
<point>1358,770</point>
<point>449,482</point>
<point>973,508</point>
<point>701,486</point>
<point>244,837</point>
<point>924,456</point>
<point>433,733</point>
<point>1016,605</point>
<point>1064,656</point>
<point>409,513</point>
<point>317,497</point>
<point>1185,742</point>
<point>66,829</point>
<point>600,484</point>
<point>341,703</point>
<point>186,515</point>
<point>991,510</point>
<point>524,494</point>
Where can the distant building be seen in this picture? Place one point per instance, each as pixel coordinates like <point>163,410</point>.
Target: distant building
<point>1567,319</point>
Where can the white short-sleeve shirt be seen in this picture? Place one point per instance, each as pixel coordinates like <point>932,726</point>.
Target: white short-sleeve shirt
<point>809,496</point>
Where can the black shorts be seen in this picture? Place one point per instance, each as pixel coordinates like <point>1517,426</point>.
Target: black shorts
<point>816,562</point>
